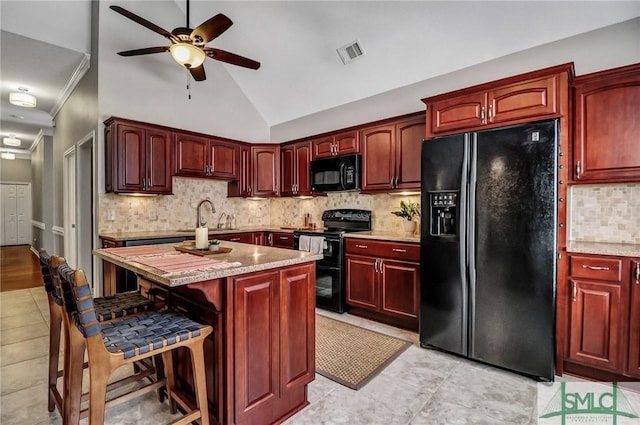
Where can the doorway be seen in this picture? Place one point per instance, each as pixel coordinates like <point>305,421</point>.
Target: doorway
<point>15,214</point>
<point>78,198</point>
<point>69,199</point>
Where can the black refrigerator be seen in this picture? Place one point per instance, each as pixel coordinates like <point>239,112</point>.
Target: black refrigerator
<point>488,246</point>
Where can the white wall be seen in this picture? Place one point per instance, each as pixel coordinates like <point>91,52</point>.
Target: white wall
<point>606,48</point>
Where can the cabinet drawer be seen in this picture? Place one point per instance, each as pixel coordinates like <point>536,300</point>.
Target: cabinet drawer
<point>596,268</point>
<point>394,250</point>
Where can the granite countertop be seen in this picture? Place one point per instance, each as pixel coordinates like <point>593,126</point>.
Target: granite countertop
<point>603,248</point>
<point>252,258</point>
<point>158,234</point>
<point>385,236</point>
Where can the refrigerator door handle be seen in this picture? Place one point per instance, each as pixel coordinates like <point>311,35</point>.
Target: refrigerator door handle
<point>471,238</point>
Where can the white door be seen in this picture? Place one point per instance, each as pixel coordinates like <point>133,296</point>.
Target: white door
<point>9,215</point>
<point>70,208</point>
<point>15,214</point>
<point>23,222</point>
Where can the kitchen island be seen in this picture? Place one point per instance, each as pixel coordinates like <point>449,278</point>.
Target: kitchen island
<point>261,304</point>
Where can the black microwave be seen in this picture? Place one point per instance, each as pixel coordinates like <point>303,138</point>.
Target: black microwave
<point>335,173</point>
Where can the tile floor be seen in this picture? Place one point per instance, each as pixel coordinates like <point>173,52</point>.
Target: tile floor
<point>419,387</point>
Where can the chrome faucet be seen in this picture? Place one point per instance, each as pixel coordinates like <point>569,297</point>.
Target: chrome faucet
<point>199,221</point>
<point>220,217</point>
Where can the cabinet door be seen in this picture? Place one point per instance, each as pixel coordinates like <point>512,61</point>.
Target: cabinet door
<point>362,284</point>
<point>256,345</point>
<point>265,170</point>
<point>595,328</point>
<point>224,160</point>
<point>530,99</point>
<point>302,160</point>
<point>346,142</point>
<point>288,164</point>
<point>158,161</point>
<point>378,158</point>
<point>323,148</point>
<point>399,287</point>
<point>191,155</point>
<point>297,318</point>
<point>459,113</point>
<point>606,129</point>
<point>633,367</point>
<point>409,136</point>
<point>130,153</point>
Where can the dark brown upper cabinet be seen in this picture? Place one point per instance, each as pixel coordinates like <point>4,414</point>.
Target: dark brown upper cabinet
<point>606,145</point>
<point>138,158</point>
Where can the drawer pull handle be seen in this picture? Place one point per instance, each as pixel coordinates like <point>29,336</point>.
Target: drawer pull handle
<point>284,238</point>
<point>234,239</point>
<point>638,273</point>
<point>584,266</point>
<point>399,250</point>
<point>362,246</point>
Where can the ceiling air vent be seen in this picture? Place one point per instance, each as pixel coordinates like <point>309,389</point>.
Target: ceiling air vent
<point>350,52</point>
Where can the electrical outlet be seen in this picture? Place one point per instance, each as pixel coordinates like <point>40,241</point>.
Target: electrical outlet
<point>111,215</point>
<point>153,215</point>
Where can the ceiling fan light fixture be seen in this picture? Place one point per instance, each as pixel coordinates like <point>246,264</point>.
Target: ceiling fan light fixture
<point>8,155</point>
<point>22,98</point>
<point>11,141</point>
<point>187,55</point>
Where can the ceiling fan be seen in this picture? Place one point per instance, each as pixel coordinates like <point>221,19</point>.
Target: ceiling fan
<point>188,45</point>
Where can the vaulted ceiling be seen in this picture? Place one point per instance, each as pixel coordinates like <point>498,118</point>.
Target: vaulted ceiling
<point>43,43</point>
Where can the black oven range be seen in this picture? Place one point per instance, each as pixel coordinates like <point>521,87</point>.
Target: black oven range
<point>330,278</point>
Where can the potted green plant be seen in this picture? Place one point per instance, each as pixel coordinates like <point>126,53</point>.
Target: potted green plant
<point>214,245</point>
<point>410,212</point>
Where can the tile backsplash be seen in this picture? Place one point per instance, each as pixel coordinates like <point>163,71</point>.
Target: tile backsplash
<point>139,213</point>
<point>605,213</point>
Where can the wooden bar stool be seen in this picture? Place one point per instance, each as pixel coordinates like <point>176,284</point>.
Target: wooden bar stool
<point>116,343</point>
<point>107,308</point>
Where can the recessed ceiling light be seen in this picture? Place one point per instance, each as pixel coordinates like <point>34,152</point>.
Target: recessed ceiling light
<point>22,98</point>
<point>20,117</point>
<point>7,155</point>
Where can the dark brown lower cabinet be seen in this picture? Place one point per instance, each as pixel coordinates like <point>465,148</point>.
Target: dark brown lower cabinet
<point>261,354</point>
<point>385,284</point>
<point>596,324</point>
<point>603,318</point>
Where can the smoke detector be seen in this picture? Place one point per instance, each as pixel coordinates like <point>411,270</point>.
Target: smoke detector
<point>350,51</point>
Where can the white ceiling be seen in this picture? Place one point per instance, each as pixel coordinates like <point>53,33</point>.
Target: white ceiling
<point>296,42</point>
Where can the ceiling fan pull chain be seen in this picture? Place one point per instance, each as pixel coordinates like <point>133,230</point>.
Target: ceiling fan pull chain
<point>188,85</point>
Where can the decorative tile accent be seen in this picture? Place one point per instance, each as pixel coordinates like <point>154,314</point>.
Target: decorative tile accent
<point>178,211</point>
<point>605,213</point>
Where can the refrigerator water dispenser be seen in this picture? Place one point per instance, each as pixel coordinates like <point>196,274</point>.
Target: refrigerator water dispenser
<point>443,213</point>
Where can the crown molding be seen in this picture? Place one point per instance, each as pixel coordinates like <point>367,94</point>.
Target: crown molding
<point>77,75</point>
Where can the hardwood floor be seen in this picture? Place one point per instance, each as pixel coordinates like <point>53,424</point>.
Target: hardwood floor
<point>19,268</point>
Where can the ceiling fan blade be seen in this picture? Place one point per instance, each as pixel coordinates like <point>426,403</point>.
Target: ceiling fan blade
<point>212,28</point>
<point>198,73</point>
<point>145,23</point>
<point>231,58</point>
<point>144,51</point>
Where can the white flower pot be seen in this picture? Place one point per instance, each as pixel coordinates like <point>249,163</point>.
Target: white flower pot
<point>409,227</point>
